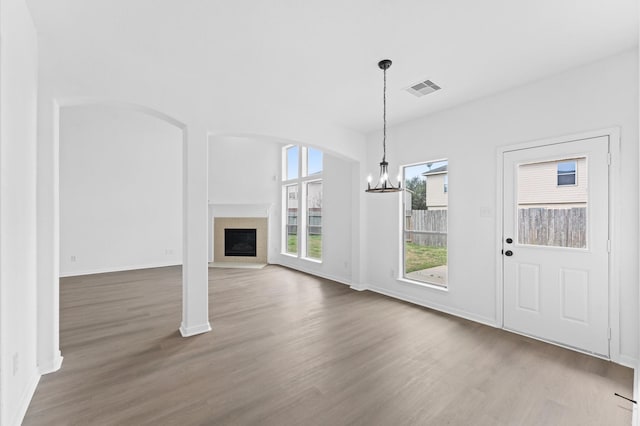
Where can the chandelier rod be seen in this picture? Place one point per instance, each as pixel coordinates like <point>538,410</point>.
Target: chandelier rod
<point>384,116</point>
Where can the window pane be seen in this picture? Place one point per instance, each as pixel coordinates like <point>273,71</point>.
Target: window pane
<point>567,173</point>
<point>314,220</point>
<point>292,219</point>
<point>549,214</point>
<point>567,167</point>
<point>292,162</point>
<point>566,179</point>
<point>425,222</point>
<point>314,161</point>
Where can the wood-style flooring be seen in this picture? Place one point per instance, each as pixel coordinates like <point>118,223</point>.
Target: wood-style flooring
<point>292,349</point>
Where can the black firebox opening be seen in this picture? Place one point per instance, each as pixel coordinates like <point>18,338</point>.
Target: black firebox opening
<point>240,242</point>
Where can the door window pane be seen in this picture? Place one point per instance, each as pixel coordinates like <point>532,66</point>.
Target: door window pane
<point>426,205</point>
<point>552,203</point>
<point>292,219</point>
<point>314,220</point>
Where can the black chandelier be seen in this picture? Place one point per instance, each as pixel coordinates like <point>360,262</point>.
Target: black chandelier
<point>384,184</point>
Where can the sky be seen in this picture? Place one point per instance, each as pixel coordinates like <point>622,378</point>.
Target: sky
<point>314,163</point>
<point>416,170</point>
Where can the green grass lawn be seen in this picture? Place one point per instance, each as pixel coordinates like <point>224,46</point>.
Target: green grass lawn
<point>314,245</point>
<point>417,257</point>
<point>292,244</point>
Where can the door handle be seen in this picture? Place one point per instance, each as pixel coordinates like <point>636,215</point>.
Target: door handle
<point>508,253</point>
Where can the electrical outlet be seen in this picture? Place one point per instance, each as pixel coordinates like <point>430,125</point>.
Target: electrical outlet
<point>73,258</point>
<point>16,365</point>
<point>486,212</point>
<point>393,273</point>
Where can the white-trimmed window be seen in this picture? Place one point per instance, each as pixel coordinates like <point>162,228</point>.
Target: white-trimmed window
<point>424,222</point>
<point>567,173</point>
<point>302,192</point>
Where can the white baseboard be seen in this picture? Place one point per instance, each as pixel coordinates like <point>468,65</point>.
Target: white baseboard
<point>25,400</point>
<point>194,330</point>
<point>309,271</point>
<point>436,307</point>
<point>359,287</point>
<point>627,361</point>
<point>118,269</point>
<point>635,419</point>
<point>362,287</point>
<point>52,365</point>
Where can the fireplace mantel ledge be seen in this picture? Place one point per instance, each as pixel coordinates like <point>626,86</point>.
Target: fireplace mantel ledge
<point>240,210</point>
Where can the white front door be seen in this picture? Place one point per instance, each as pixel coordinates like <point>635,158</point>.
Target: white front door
<point>556,243</point>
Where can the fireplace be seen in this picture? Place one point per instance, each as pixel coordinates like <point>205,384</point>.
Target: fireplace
<point>221,227</point>
<point>240,242</point>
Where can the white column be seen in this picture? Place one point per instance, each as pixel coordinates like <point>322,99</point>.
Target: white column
<point>48,236</point>
<point>358,234</point>
<point>195,272</point>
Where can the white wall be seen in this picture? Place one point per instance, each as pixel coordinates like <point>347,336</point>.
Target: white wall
<point>120,190</point>
<point>69,78</point>
<point>596,96</point>
<point>336,225</point>
<point>19,373</point>
<point>245,171</point>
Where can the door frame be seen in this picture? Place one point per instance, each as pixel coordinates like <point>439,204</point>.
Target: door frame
<point>613,133</point>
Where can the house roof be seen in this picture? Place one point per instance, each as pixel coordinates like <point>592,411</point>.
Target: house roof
<point>436,171</point>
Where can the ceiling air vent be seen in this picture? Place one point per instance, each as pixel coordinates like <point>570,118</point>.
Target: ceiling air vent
<point>423,88</point>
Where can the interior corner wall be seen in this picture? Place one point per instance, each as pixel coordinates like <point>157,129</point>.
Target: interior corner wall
<point>469,136</point>
<point>19,372</point>
<point>336,225</point>
<point>246,170</point>
<point>120,190</point>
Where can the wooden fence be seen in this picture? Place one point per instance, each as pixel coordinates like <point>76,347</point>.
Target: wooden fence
<point>314,224</point>
<point>553,227</point>
<point>426,227</point>
<point>537,226</point>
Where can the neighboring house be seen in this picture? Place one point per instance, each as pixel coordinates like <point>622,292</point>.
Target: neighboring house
<point>553,184</point>
<point>314,211</point>
<point>437,188</point>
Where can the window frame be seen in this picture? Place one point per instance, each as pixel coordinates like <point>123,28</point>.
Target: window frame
<point>285,218</point>
<point>302,182</point>
<point>403,278</point>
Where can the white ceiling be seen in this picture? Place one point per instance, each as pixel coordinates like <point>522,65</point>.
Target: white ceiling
<point>321,56</point>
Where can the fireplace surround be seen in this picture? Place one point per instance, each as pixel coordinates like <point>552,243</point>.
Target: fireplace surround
<point>221,225</point>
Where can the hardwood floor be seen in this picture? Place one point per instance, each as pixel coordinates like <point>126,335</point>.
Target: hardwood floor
<point>292,349</point>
